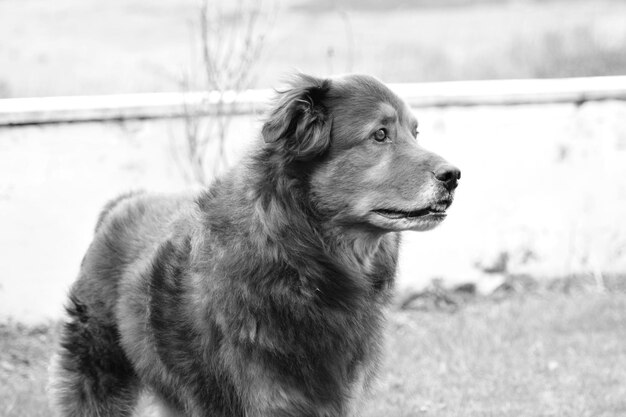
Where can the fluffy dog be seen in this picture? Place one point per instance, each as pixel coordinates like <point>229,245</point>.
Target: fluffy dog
<point>264,294</point>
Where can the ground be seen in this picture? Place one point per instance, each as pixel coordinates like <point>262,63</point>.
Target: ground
<point>540,353</point>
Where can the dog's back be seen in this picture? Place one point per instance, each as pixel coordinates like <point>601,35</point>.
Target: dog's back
<point>92,375</point>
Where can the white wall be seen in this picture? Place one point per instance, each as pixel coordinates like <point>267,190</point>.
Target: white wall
<point>546,184</point>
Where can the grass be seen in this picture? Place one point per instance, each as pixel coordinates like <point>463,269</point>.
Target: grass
<point>524,356</point>
<point>24,355</point>
<point>541,354</point>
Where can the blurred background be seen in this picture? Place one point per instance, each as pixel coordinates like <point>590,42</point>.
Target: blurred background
<point>75,47</point>
<point>544,184</point>
<point>540,209</point>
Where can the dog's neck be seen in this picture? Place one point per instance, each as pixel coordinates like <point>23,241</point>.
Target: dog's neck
<point>269,202</point>
<point>281,195</point>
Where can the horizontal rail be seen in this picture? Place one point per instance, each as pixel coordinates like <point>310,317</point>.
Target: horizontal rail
<point>72,109</point>
<point>47,110</point>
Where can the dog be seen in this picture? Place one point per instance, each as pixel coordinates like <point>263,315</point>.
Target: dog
<point>264,294</point>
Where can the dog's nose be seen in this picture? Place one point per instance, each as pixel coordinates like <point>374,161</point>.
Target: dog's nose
<point>449,175</point>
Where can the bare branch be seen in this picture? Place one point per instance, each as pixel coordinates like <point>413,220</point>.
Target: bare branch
<point>231,43</point>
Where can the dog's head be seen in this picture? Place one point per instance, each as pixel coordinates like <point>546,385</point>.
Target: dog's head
<point>360,142</point>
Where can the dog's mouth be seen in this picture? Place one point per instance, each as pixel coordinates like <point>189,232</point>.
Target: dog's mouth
<point>421,219</point>
<point>437,209</point>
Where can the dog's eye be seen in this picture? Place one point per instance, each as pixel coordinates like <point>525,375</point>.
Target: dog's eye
<point>380,135</point>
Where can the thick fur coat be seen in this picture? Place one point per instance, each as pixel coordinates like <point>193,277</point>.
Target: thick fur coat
<point>264,295</point>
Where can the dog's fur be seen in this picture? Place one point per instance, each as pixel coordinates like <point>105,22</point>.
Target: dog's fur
<point>263,295</point>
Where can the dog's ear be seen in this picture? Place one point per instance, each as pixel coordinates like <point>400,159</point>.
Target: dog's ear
<point>300,122</point>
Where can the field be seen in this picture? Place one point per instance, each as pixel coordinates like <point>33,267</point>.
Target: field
<point>70,47</point>
<point>529,354</point>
